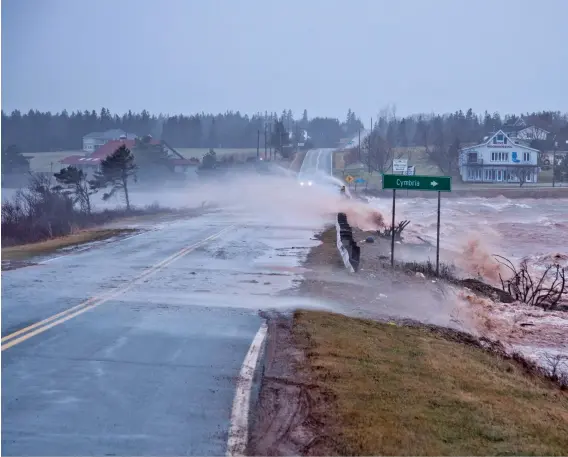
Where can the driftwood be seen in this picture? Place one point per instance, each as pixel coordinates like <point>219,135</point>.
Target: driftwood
<point>387,232</point>
<point>546,291</point>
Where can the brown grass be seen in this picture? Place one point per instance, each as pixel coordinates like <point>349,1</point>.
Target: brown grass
<point>396,390</point>
<point>325,253</point>
<point>26,251</point>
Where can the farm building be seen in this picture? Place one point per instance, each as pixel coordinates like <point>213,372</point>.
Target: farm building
<point>91,162</point>
<point>499,159</point>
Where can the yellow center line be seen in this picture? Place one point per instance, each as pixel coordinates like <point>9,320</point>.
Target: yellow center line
<point>93,302</point>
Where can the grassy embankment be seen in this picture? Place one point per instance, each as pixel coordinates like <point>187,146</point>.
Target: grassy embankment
<point>27,251</point>
<point>395,390</point>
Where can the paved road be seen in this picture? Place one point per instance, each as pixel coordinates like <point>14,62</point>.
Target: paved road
<point>149,365</point>
<point>318,160</point>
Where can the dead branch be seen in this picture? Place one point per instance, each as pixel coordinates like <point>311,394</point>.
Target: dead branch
<point>387,232</point>
<point>555,364</point>
<point>546,291</point>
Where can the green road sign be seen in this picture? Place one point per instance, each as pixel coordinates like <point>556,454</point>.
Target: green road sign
<point>418,182</point>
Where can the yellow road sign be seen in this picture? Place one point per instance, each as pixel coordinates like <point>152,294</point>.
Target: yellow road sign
<point>349,179</point>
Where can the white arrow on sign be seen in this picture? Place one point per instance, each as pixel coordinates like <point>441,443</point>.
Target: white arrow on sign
<point>433,183</point>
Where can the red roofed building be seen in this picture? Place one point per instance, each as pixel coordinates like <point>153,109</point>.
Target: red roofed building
<point>91,162</point>
<point>107,149</point>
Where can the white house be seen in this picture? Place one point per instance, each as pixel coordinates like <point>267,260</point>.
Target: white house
<point>93,141</point>
<point>531,133</point>
<point>499,159</point>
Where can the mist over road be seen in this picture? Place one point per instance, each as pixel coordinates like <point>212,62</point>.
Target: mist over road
<point>142,340</point>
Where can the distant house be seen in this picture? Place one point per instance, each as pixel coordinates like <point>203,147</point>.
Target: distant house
<point>532,133</point>
<point>91,162</point>
<point>526,134</point>
<point>522,131</point>
<point>499,159</point>
<point>94,140</point>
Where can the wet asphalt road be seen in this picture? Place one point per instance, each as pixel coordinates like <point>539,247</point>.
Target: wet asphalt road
<point>318,160</point>
<point>151,368</point>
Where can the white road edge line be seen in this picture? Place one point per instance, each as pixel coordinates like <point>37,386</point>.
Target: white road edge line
<point>239,425</point>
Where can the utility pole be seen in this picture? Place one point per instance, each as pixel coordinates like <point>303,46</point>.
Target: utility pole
<point>359,144</point>
<point>270,139</point>
<point>280,137</point>
<point>265,143</point>
<point>258,144</point>
<point>554,161</point>
<point>296,136</point>
<point>370,143</point>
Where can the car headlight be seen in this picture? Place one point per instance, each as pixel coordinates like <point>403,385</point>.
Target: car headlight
<point>309,183</point>
<point>301,183</point>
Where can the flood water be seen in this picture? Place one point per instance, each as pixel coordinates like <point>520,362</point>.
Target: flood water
<point>536,229</point>
<point>473,231</point>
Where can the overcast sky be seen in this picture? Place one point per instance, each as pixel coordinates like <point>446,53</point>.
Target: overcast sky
<point>186,56</point>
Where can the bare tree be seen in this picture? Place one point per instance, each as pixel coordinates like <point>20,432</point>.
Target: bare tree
<point>446,157</point>
<point>423,133</point>
<point>546,291</point>
<point>378,152</point>
<point>351,156</point>
<point>521,173</point>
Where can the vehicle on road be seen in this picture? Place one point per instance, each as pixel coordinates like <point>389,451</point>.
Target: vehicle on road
<point>307,179</point>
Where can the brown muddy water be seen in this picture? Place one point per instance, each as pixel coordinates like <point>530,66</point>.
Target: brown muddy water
<point>472,231</point>
<point>478,228</point>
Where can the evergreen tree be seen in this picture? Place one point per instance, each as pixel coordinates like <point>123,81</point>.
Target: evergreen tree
<point>116,170</point>
<point>13,161</point>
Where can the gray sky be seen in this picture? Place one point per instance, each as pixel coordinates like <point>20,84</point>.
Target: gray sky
<point>189,56</point>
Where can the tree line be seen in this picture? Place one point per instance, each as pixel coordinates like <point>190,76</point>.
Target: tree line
<point>37,131</point>
<point>442,136</point>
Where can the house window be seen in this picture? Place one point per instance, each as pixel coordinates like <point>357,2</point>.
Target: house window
<point>499,139</point>
<point>473,174</point>
<point>499,157</point>
<point>489,175</point>
<point>472,157</point>
<point>526,156</point>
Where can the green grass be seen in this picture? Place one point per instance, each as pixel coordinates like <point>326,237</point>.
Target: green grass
<point>399,390</point>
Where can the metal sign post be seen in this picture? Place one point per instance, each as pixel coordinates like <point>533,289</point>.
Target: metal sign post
<point>392,226</point>
<point>438,238</point>
<point>423,183</point>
